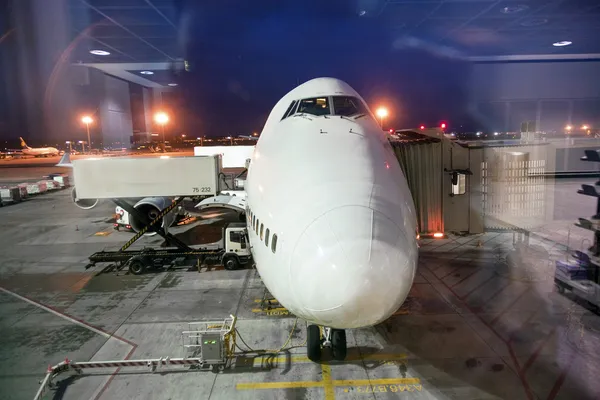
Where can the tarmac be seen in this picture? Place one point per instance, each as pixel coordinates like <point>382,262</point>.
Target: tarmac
<point>473,327</point>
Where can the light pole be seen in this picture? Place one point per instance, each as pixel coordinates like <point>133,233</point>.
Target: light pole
<point>162,118</point>
<point>87,120</point>
<point>70,146</point>
<point>382,112</point>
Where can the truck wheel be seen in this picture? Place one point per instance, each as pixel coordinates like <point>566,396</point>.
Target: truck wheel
<point>231,263</point>
<point>137,267</point>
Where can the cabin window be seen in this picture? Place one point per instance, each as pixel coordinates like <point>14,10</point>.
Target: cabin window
<point>261,232</point>
<point>257,224</point>
<point>290,109</point>
<point>348,106</point>
<point>274,243</point>
<point>253,221</point>
<point>267,238</point>
<point>314,106</point>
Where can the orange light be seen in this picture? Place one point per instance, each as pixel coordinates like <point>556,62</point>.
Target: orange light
<point>87,119</point>
<point>585,127</point>
<point>438,235</point>
<point>382,112</point>
<point>418,236</point>
<point>161,118</point>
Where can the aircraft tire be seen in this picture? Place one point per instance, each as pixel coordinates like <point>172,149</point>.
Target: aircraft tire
<point>338,344</point>
<point>313,343</point>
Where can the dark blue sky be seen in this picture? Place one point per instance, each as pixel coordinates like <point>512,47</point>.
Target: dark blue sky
<point>245,55</point>
<point>244,58</point>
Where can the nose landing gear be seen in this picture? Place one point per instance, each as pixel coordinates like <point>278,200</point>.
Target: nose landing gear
<point>331,338</point>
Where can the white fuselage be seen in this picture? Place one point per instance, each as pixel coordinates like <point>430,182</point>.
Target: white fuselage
<point>40,151</point>
<point>331,189</point>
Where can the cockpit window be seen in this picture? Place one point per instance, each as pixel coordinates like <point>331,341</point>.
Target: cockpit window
<point>314,106</point>
<point>290,109</point>
<point>348,106</point>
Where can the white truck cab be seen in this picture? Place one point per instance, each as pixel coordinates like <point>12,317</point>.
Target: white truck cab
<point>236,245</point>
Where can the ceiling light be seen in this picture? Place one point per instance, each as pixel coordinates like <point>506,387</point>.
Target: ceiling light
<point>534,22</point>
<point>562,43</point>
<point>146,72</point>
<point>514,9</point>
<point>172,84</point>
<point>99,52</point>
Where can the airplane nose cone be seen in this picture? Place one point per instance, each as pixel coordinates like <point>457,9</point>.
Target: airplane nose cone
<point>352,267</point>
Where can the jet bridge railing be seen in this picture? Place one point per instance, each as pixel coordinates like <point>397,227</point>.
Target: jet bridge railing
<point>215,339</point>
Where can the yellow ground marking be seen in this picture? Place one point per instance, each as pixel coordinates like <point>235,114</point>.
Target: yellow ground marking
<point>394,388</point>
<point>266,301</point>
<point>259,310</point>
<point>277,385</point>
<point>382,381</point>
<point>327,382</point>
<point>103,233</point>
<point>386,358</point>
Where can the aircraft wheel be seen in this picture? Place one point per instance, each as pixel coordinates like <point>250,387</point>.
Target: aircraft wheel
<point>338,344</point>
<point>313,343</point>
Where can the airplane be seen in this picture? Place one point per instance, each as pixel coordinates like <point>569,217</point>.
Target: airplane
<point>248,137</point>
<point>331,221</point>
<point>38,151</point>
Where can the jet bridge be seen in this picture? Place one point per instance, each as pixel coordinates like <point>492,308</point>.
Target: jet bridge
<point>475,186</point>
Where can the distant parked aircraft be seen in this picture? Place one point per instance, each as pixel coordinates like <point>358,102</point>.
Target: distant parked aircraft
<point>38,151</point>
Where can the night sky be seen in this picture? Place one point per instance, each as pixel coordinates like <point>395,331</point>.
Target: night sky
<point>243,58</point>
<point>245,55</point>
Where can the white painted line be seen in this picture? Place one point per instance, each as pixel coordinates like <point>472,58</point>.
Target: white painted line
<point>59,314</point>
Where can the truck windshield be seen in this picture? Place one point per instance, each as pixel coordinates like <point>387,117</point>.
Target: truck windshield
<point>347,106</point>
<point>235,237</point>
